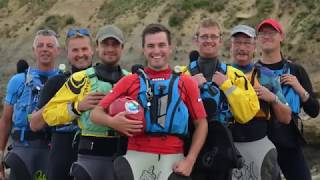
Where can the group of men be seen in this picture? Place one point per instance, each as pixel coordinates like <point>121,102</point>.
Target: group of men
<point>207,120</point>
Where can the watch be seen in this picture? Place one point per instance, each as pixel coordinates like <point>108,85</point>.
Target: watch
<point>276,100</point>
<point>306,96</point>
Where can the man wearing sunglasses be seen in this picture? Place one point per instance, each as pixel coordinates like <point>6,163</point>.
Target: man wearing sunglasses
<point>80,93</point>
<point>28,157</point>
<point>63,150</point>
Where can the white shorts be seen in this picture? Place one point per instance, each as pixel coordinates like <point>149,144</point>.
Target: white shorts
<point>151,166</point>
<point>260,160</point>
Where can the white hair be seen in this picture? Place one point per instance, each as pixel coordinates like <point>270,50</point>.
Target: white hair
<point>37,36</point>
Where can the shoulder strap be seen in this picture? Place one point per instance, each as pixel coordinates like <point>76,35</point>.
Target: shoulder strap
<point>287,67</point>
<point>27,80</point>
<point>255,73</point>
<point>147,81</point>
<point>222,67</point>
<point>93,78</point>
<point>91,72</point>
<point>194,68</point>
<point>125,72</point>
<point>20,92</point>
<point>28,76</point>
<point>173,78</point>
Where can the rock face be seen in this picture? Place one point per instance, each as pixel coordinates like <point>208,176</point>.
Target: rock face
<point>312,130</point>
<point>19,21</point>
<point>312,135</point>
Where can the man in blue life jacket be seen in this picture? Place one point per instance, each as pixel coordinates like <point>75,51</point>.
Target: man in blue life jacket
<point>28,157</point>
<point>227,96</point>
<point>297,89</point>
<point>80,93</point>
<point>63,150</point>
<point>251,139</point>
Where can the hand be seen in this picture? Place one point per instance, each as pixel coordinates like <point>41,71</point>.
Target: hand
<point>125,125</point>
<point>264,94</point>
<point>219,78</point>
<point>289,79</point>
<point>90,101</point>
<point>199,78</point>
<point>183,167</point>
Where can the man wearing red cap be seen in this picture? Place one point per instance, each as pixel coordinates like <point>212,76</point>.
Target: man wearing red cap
<point>297,88</point>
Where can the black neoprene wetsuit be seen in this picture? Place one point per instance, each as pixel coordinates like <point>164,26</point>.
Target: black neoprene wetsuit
<point>290,154</point>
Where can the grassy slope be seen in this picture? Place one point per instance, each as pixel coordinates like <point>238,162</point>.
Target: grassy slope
<point>19,19</point>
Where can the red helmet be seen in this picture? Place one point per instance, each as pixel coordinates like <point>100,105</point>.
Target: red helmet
<point>132,107</point>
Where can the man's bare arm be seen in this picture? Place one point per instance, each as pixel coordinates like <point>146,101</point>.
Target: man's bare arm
<point>185,166</point>
<point>37,122</point>
<point>119,122</point>
<point>5,125</point>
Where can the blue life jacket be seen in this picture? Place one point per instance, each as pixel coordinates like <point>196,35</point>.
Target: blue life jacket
<point>289,93</point>
<point>28,98</point>
<point>165,112</point>
<point>71,127</point>
<point>259,75</point>
<point>214,100</point>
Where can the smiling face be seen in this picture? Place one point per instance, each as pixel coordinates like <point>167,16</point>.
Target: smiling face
<point>157,50</point>
<point>269,39</point>
<point>79,52</point>
<point>242,49</point>
<point>109,51</point>
<point>209,41</point>
<point>45,50</point>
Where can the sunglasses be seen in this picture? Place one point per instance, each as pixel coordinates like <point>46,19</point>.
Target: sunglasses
<point>47,32</point>
<point>78,32</point>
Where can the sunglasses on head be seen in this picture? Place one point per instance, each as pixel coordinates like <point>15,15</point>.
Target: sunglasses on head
<point>78,32</point>
<point>47,32</point>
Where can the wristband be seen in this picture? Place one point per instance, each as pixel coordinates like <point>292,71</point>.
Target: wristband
<point>276,100</point>
<point>306,96</point>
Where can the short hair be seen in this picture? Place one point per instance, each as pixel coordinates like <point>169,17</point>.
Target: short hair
<point>46,32</point>
<point>80,37</point>
<point>153,29</point>
<point>206,23</point>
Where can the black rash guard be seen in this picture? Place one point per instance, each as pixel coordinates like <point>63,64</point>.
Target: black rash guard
<point>111,74</point>
<point>51,87</point>
<point>208,67</point>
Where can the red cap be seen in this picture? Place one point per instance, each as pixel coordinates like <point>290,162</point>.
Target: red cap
<point>271,22</point>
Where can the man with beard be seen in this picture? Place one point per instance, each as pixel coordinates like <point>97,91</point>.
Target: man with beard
<point>97,145</point>
<point>155,151</point>
<point>251,138</point>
